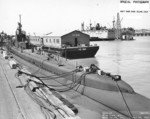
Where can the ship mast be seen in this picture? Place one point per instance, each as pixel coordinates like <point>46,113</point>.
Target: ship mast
<point>113,22</point>
<point>20,18</point>
<point>20,28</point>
<point>20,25</point>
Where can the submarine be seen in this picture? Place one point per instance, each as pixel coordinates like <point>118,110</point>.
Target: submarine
<point>96,84</point>
<point>105,88</point>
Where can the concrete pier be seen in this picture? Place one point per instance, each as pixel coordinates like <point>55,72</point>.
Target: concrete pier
<point>14,102</point>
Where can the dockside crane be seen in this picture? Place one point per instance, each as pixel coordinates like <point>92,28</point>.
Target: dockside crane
<point>118,27</point>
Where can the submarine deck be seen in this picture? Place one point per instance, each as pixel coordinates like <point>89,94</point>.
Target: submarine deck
<point>111,99</point>
<point>15,103</point>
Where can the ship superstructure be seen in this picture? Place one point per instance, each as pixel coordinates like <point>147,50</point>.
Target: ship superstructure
<point>98,33</point>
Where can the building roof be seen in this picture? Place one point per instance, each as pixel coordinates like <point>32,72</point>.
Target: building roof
<point>51,36</point>
<point>75,31</point>
<point>57,34</point>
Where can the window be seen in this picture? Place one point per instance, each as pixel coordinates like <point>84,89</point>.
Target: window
<point>54,40</point>
<point>57,41</point>
<point>50,40</point>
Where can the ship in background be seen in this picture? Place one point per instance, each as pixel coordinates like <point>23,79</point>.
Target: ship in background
<point>102,33</point>
<point>98,33</point>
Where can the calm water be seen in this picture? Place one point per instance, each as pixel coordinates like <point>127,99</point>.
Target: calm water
<point>130,59</point>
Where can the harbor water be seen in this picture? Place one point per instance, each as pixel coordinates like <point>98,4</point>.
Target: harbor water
<point>130,59</point>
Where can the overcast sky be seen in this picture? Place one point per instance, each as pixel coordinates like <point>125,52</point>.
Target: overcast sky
<point>44,16</point>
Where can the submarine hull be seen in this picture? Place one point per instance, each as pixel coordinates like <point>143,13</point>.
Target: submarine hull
<point>118,96</point>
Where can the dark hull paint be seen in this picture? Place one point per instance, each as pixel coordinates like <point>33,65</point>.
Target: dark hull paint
<point>101,39</point>
<point>77,52</point>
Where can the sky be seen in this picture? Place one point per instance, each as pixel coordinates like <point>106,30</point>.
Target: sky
<point>63,16</point>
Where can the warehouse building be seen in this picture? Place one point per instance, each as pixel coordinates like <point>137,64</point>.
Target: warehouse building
<point>72,39</point>
<point>75,38</point>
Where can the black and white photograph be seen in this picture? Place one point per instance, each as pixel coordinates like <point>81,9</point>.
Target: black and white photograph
<point>74,59</point>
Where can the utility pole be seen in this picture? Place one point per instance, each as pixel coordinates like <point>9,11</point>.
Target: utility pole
<point>82,26</point>
<point>90,25</point>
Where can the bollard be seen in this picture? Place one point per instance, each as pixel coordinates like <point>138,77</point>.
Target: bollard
<point>5,54</point>
<point>13,64</point>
